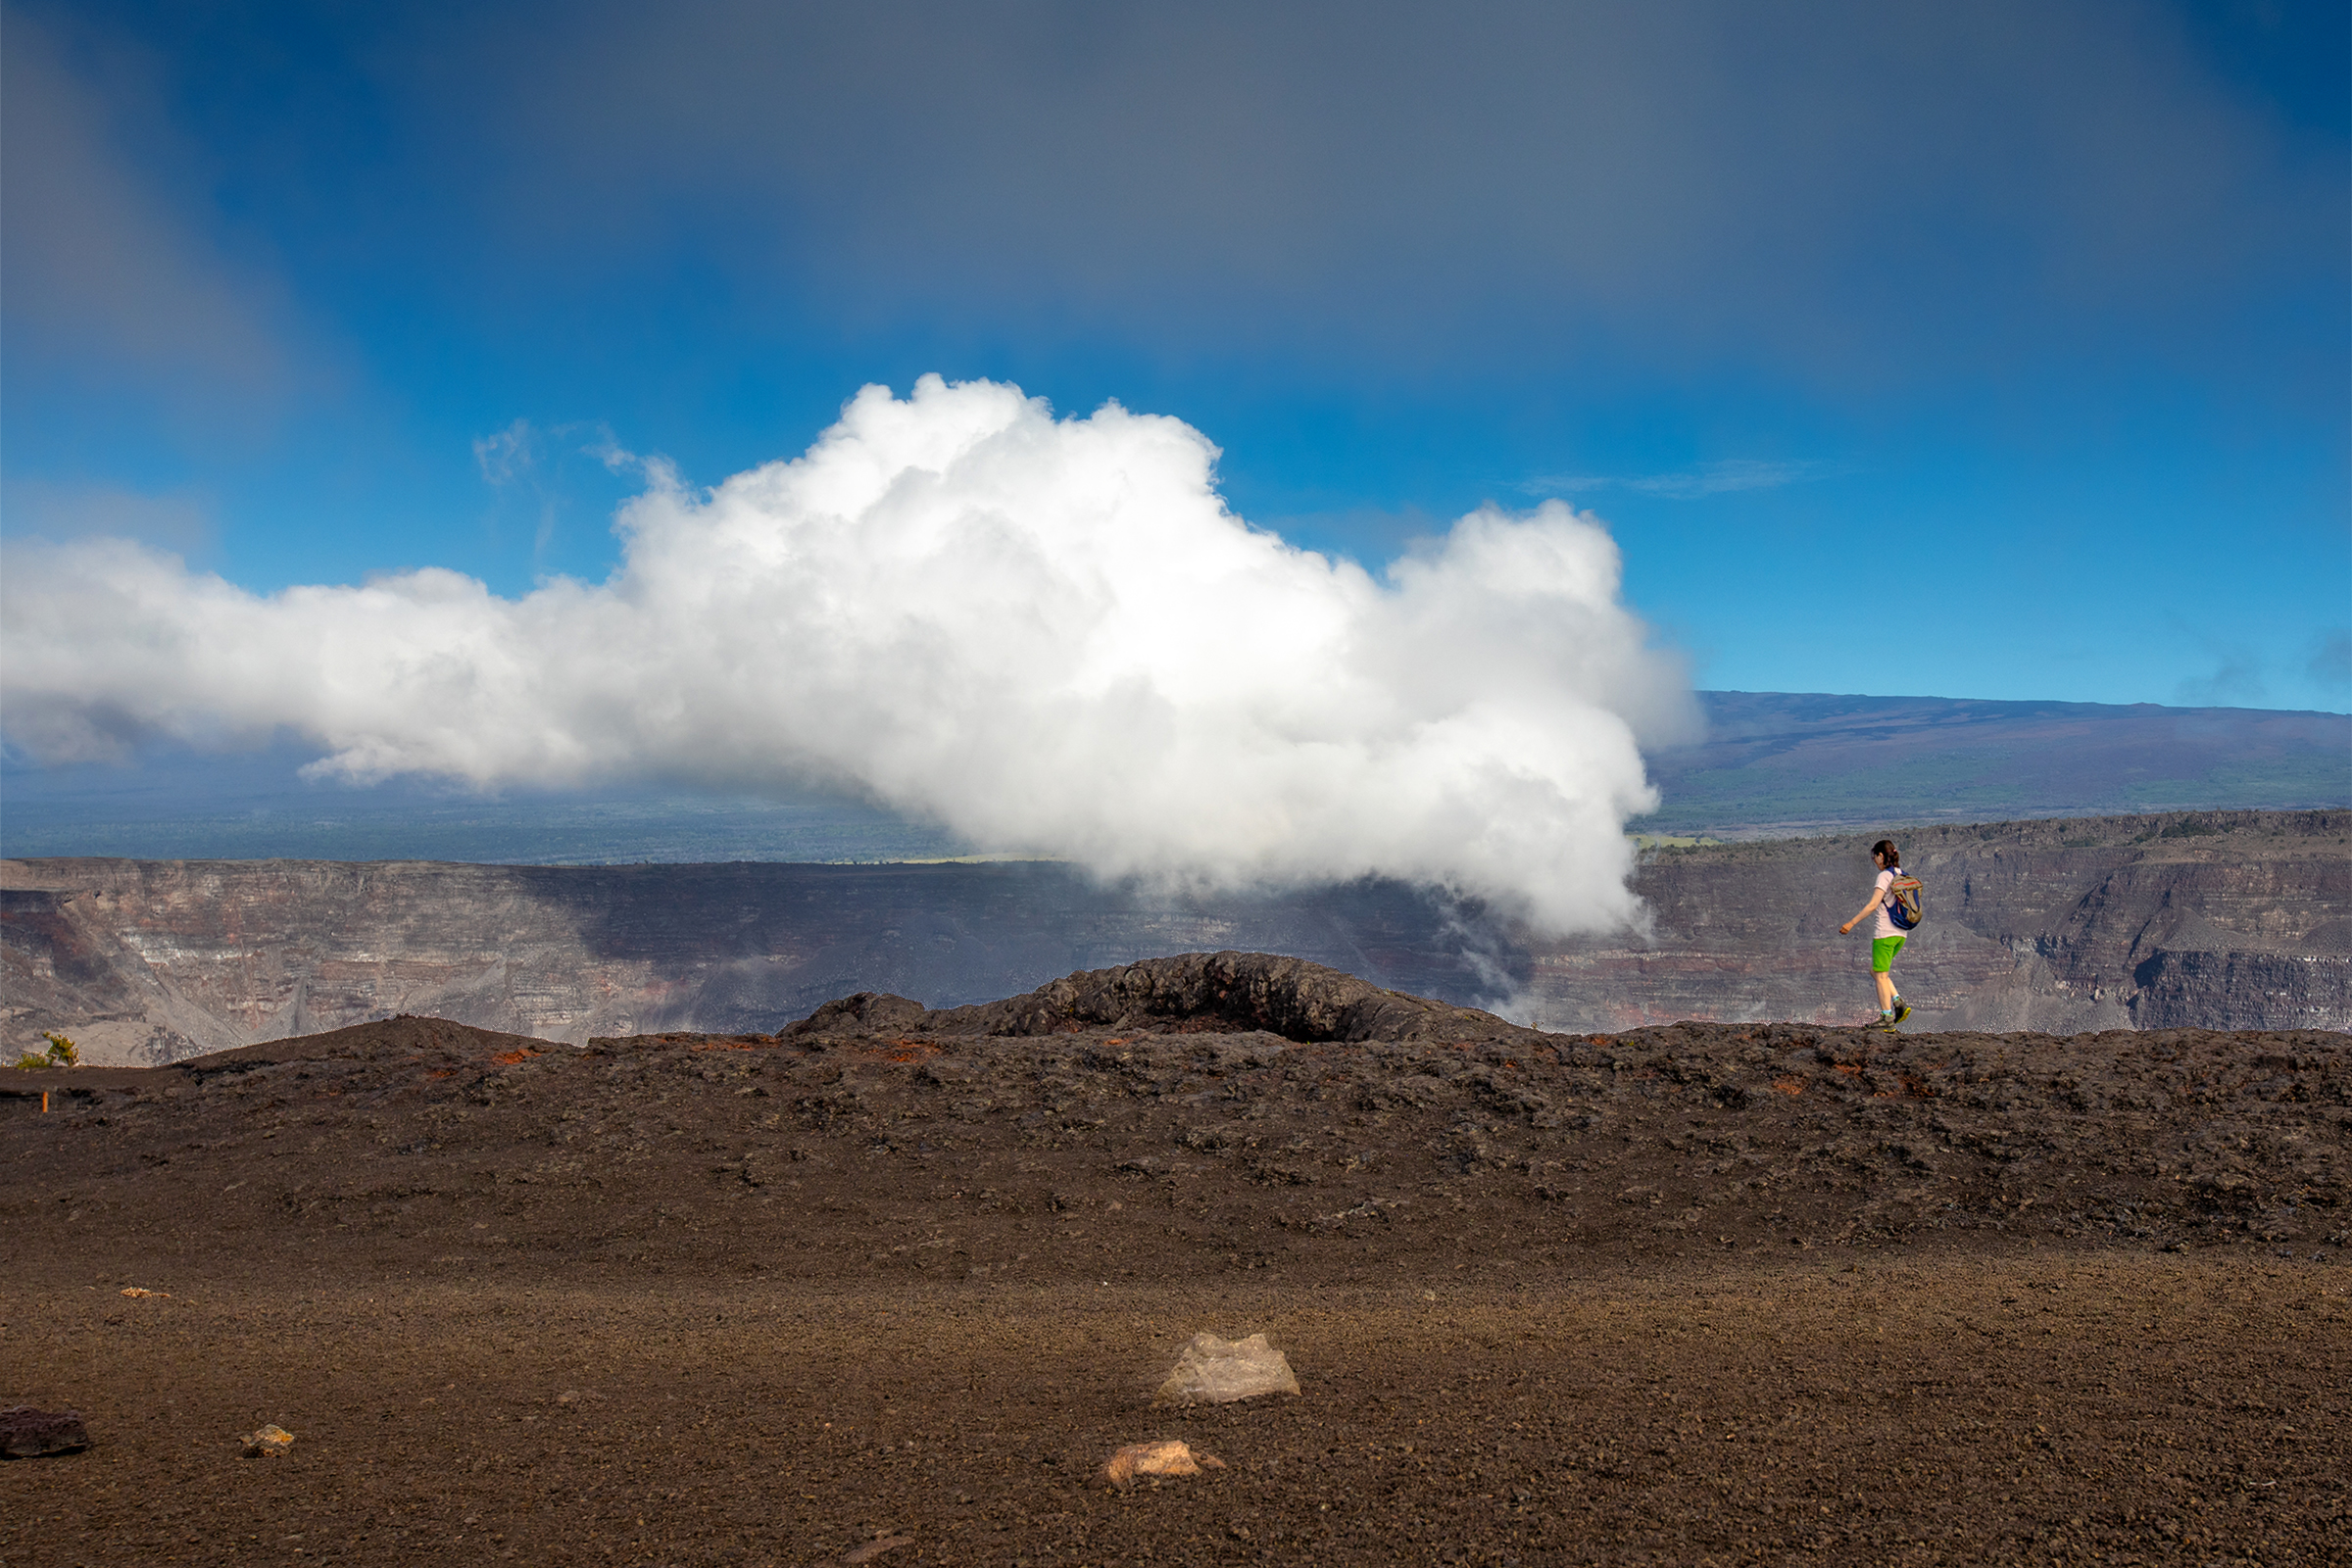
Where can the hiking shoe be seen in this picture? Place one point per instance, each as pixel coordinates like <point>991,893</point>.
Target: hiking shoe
<point>1902,1011</point>
<point>1886,1020</point>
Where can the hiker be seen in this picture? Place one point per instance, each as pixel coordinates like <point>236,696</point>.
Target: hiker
<point>1885,938</point>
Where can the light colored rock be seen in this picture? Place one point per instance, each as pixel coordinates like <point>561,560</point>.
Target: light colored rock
<point>1214,1371</point>
<point>876,1548</point>
<point>271,1439</point>
<point>1165,1456</point>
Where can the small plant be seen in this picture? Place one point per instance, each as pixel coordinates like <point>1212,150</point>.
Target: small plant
<point>61,1052</point>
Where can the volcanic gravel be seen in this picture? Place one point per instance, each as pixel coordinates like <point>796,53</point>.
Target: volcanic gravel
<point>891,1287</point>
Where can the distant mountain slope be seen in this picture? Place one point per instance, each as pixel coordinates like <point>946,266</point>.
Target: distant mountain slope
<point>1779,762</point>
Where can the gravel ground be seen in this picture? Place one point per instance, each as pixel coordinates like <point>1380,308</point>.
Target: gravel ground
<point>1703,1293</point>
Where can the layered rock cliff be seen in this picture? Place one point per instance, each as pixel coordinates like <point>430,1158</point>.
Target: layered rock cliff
<point>2192,919</point>
<point>2217,921</point>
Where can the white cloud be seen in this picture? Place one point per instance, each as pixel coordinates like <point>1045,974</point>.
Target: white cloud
<point>1050,636</point>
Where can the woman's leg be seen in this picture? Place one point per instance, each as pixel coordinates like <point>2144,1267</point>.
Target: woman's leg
<point>1882,969</point>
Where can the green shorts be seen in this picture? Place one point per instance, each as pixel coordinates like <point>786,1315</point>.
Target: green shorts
<point>1882,952</point>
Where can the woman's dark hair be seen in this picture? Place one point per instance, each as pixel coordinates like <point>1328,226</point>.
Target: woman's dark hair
<point>1886,847</point>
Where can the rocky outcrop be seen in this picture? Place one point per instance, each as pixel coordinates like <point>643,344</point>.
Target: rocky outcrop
<point>1193,992</point>
<point>2188,919</point>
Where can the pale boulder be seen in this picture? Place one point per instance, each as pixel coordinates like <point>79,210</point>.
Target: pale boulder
<point>1214,1371</point>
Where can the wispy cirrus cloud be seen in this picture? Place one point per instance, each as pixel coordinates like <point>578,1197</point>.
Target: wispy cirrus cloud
<point>536,470</point>
<point>1723,477</point>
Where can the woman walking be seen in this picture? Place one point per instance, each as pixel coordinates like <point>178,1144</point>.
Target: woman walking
<point>1885,939</point>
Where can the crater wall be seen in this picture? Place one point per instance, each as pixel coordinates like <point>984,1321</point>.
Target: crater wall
<point>2228,920</point>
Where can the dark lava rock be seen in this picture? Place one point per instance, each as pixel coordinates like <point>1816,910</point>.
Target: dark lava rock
<point>1608,1298</point>
<point>28,1434</point>
<point>1225,1111</point>
<point>1192,993</point>
<point>868,1012</point>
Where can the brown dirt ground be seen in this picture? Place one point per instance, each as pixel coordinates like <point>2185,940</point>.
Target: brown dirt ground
<point>1701,1295</point>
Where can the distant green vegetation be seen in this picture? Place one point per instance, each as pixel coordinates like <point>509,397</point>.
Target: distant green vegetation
<point>61,1052</point>
<point>1647,842</point>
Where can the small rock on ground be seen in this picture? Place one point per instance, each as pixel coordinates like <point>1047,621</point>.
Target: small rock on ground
<point>28,1434</point>
<point>1166,1457</point>
<point>270,1439</point>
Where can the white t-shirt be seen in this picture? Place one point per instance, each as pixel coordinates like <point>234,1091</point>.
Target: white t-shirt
<point>1886,926</point>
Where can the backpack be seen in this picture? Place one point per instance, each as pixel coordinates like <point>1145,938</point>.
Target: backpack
<point>1906,901</point>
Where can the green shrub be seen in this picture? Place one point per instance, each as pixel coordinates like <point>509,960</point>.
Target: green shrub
<point>61,1052</point>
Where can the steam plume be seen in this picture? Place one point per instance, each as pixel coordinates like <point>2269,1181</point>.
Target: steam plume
<point>1050,636</point>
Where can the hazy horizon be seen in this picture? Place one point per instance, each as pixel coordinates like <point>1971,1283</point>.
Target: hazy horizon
<point>181,804</point>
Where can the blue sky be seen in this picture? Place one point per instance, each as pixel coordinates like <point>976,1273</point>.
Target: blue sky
<point>1989,350</point>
